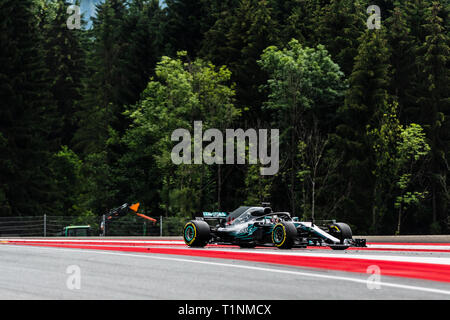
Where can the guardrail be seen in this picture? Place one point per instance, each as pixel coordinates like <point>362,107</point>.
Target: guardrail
<point>131,226</point>
<point>407,239</point>
<point>52,226</point>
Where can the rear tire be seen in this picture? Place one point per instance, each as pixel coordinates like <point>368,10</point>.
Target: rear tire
<point>196,233</point>
<point>284,235</point>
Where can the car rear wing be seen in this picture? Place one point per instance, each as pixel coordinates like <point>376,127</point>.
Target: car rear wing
<point>206,215</point>
<point>212,218</point>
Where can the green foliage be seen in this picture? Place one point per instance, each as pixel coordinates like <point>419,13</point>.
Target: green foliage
<point>397,149</point>
<point>301,79</point>
<point>237,39</point>
<point>27,112</point>
<point>86,115</point>
<point>180,93</point>
<point>365,102</point>
<point>341,26</point>
<point>258,188</point>
<point>431,91</point>
<point>304,84</point>
<point>65,60</point>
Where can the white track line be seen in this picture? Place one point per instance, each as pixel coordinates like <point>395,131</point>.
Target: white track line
<point>352,255</point>
<point>272,270</point>
<point>408,246</point>
<point>374,246</point>
<point>97,241</point>
<point>394,256</point>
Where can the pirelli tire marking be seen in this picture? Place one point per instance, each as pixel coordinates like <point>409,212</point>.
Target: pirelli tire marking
<point>279,244</point>
<point>189,242</point>
<point>335,227</point>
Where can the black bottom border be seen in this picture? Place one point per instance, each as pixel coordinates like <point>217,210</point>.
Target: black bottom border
<point>226,309</point>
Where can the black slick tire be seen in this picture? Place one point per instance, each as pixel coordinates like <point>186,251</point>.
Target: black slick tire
<point>284,235</point>
<point>196,233</point>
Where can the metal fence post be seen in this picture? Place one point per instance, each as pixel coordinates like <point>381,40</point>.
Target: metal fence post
<point>160,226</point>
<point>45,225</point>
<point>104,225</point>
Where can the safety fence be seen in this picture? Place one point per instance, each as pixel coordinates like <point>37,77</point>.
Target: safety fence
<point>54,226</point>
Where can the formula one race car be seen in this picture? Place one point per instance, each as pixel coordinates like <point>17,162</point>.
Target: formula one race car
<point>252,226</point>
<point>119,212</point>
<point>124,209</point>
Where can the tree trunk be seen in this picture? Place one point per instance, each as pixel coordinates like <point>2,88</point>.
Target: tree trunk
<point>292,173</point>
<point>399,220</point>
<point>374,209</point>
<point>219,186</point>
<point>434,201</point>
<point>166,211</point>
<point>304,199</point>
<point>313,201</point>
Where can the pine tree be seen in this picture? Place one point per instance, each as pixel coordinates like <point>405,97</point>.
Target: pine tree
<point>106,86</point>
<point>342,25</point>
<point>433,61</point>
<point>242,30</point>
<point>215,45</point>
<point>247,32</point>
<point>403,51</point>
<point>187,22</point>
<point>65,60</point>
<point>299,19</point>
<point>144,45</point>
<point>415,11</point>
<point>26,112</point>
<point>365,102</point>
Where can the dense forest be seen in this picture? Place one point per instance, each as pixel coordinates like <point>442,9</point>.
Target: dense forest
<point>363,113</point>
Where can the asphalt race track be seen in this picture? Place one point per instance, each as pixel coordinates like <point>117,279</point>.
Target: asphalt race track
<point>163,269</point>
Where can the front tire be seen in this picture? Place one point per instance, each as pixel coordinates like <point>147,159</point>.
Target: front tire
<point>342,231</point>
<point>284,235</point>
<point>196,233</point>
